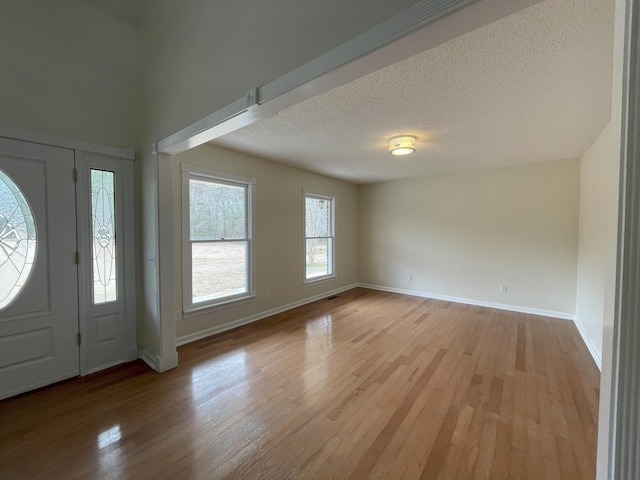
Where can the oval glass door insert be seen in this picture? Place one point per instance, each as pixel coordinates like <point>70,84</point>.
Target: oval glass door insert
<point>18,243</point>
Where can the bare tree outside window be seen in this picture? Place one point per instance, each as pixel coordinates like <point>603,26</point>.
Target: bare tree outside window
<point>319,211</point>
<point>217,211</point>
<point>219,240</point>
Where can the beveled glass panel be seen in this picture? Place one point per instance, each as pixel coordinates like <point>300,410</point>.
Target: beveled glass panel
<point>18,243</point>
<point>103,233</point>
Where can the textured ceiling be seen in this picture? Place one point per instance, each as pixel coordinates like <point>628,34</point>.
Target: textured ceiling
<point>531,87</point>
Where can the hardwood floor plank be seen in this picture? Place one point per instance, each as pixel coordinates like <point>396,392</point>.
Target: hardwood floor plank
<point>384,437</point>
<point>441,446</point>
<point>366,385</point>
<point>520,349</point>
<point>501,457</point>
<point>495,396</point>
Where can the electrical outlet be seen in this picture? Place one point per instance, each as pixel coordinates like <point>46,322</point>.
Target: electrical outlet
<point>503,289</point>
<point>268,295</point>
<point>410,277</point>
<point>178,315</point>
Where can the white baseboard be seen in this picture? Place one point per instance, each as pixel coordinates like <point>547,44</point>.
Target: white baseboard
<point>167,361</point>
<point>595,354</point>
<point>192,337</point>
<point>158,363</point>
<point>469,301</point>
<point>153,363</point>
<point>149,359</point>
<point>104,367</point>
<point>33,386</point>
<point>513,308</point>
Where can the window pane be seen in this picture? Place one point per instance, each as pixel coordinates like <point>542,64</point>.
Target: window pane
<point>103,233</point>
<point>217,211</point>
<point>318,257</point>
<point>218,269</point>
<point>317,217</point>
<point>17,240</point>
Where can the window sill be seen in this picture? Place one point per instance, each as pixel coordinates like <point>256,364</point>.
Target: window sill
<point>199,311</point>
<point>318,281</point>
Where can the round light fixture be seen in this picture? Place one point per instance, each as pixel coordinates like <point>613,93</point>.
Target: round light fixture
<point>402,145</point>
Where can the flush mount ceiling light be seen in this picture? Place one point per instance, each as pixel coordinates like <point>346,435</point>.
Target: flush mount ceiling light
<point>402,145</point>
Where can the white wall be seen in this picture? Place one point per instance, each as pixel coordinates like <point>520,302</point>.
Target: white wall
<point>463,235</point>
<point>200,55</point>
<point>598,194</point>
<point>278,233</point>
<point>68,70</point>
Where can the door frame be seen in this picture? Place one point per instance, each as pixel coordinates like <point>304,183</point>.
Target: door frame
<point>128,157</point>
<point>624,399</point>
<point>126,252</point>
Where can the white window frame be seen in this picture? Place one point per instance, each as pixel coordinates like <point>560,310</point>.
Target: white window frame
<point>332,199</point>
<point>190,172</point>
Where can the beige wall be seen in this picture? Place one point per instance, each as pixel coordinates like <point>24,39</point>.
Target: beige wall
<point>598,195</point>
<point>68,70</point>
<point>278,233</point>
<point>197,56</point>
<point>464,235</point>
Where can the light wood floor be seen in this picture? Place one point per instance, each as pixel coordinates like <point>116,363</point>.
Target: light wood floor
<point>366,385</point>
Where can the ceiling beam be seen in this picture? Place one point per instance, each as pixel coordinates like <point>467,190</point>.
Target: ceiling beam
<point>423,26</point>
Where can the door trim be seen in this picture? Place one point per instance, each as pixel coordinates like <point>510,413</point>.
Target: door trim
<point>56,141</point>
<point>129,273</point>
<point>624,437</point>
<point>125,305</point>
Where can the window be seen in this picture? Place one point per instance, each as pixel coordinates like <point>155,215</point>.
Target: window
<point>319,248</point>
<point>217,247</point>
<point>103,234</point>
<point>17,240</point>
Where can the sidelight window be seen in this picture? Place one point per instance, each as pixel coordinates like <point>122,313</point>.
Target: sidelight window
<point>103,236</point>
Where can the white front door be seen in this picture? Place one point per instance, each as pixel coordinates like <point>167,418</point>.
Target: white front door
<point>38,272</point>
